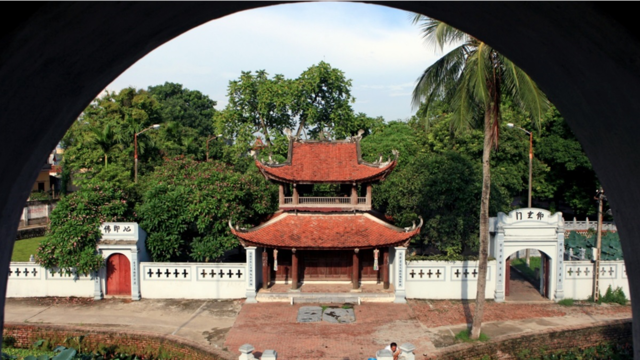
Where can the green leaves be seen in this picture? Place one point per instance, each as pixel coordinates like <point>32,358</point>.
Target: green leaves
<point>187,204</point>
<point>74,229</point>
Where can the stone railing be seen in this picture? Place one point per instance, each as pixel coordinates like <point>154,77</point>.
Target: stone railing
<point>588,224</point>
<point>406,353</point>
<point>359,203</point>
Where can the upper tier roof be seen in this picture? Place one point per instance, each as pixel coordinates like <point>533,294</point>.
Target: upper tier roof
<point>325,231</point>
<point>326,162</point>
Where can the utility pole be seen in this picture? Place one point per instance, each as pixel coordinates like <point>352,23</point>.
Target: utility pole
<point>596,252</point>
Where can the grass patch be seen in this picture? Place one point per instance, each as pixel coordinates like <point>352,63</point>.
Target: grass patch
<point>566,302</point>
<point>22,353</point>
<point>532,271</point>
<point>465,336</point>
<point>22,249</point>
<point>347,306</point>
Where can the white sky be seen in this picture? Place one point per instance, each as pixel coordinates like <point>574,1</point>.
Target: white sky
<point>377,47</point>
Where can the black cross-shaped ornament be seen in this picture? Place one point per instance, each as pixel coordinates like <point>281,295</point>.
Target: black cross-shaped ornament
<point>212,273</point>
<point>150,273</point>
<point>570,272</point>
<point>475,273</point>
<point>421,273</point>
<point>203,273</point>
<point>466,273</point>
<point>221,273</point>
<point>176,273</point>
<point>611,271</point>
<point>239,273</point>
<point>438,273</point>
<point>34,272</point>
<point>457,273</point>
<point>185,273</point>
<point>230,273</point>
<point>18,272</point>
<point>167,272</point>
<point>412,273</point>
<point>429,273</point>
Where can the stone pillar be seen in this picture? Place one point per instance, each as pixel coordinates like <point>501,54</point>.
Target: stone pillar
<point>385,268</point>
<point>246,351</point>
<point>401,294</point>
<point>406,351</point>
<point>500,262</point>
<point>294,270</point>
<point>265,270</point>
<point>135,283</point>
<point>558,274</point>
<point>369,194</point>
<point>295,195</point>
<point>251,275</point>
<point>269,355</point>
<point>25,215</point>
<point>384,354</point>
<point>281,194</point>
<point>354,195</point>
<point>355,276</point>
<point>97,283</point>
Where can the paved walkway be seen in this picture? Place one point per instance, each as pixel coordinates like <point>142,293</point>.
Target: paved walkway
<point>430,325</point>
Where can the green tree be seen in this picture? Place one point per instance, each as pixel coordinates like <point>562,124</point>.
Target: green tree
<point>75,227</point>
<point>187,204</point>
<point>322,100</point>
<point>474,76</point>
<point>105,138</point>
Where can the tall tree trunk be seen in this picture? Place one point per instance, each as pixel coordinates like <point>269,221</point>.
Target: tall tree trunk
<point>484,223</point>
<point>266,132</point>
<point>105,160</point>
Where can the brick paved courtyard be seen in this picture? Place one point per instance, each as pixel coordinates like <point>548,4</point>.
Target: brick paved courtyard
<point>274,326</point>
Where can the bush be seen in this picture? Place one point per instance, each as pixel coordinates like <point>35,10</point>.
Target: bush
<point>616,296</point>
<point>465,336</point>
<point>75,228</point>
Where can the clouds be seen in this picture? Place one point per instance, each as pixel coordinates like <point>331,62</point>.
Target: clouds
<point>377,47</point>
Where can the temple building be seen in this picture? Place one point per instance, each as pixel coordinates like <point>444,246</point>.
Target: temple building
<point>325,238</point>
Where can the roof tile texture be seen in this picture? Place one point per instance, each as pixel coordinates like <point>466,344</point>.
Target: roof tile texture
<point>325,231</point>
<point>325,162</point>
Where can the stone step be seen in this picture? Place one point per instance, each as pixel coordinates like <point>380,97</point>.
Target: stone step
<point>328,298</point>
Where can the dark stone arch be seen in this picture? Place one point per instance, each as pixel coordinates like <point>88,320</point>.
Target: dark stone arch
<point>55,57</point>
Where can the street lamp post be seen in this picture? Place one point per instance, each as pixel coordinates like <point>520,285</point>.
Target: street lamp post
<point>530,173</point>
<point>135,150</point>
<point>209,139</point>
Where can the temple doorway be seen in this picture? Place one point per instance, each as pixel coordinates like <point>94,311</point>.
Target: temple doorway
<point>118,275</point>
<point>527,282</point>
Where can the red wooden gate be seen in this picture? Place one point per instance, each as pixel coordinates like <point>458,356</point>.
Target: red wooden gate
<point>118,275</point>
<point>546,263</point>
<point>507,277</point>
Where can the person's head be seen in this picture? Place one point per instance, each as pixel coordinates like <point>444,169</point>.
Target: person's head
<point>393,346</point>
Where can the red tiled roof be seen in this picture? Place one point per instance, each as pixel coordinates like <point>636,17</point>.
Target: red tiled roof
<point>325,231</point>
<point>325,162</point>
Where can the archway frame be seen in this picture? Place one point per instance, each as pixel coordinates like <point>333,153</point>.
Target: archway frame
<point>57,56</point>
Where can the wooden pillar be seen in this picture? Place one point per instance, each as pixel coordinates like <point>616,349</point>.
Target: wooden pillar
<point>354,195</point>
<point>294,270</point>
<point>355,277</point>
<point>265,269</point>
<point>385,268</point>
<point>281,194</point>
<point>369,194</point>
<point>295,195</point>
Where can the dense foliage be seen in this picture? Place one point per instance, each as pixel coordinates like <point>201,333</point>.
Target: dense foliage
<point>611,249</point>
<point>187,204</point>
<point>74,228</point>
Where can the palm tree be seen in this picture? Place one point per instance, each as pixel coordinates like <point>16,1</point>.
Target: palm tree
<point>105,138</point>
<point>473,77</point>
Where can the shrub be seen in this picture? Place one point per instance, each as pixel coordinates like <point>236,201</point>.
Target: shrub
<point>566,302</point>
<point>465,336</point>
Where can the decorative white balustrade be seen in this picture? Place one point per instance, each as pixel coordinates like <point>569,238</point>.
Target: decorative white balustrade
<point>587,224</point>
<point>334,201</point>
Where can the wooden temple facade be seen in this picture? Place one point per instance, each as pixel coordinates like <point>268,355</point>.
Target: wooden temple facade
<point>320,238</point>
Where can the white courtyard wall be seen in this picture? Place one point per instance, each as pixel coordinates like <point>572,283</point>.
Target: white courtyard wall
<point>193,280</point>
<point>38,282</point>
<point>447,279</point>
<point>578,278</point>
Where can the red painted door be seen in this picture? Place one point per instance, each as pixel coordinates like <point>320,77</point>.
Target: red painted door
<point>547,267</point>
<point>118,275</point>
<point>507,278</point>
<point>326,265</point>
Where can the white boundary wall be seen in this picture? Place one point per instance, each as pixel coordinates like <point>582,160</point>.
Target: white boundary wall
<point>447,279</point>
<point>193,280</point>
<point>27,279</point>
<point>578,278</point>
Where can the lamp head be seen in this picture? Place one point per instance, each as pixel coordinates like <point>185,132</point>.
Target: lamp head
<point>155,126</point>
<point>510,125</point>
